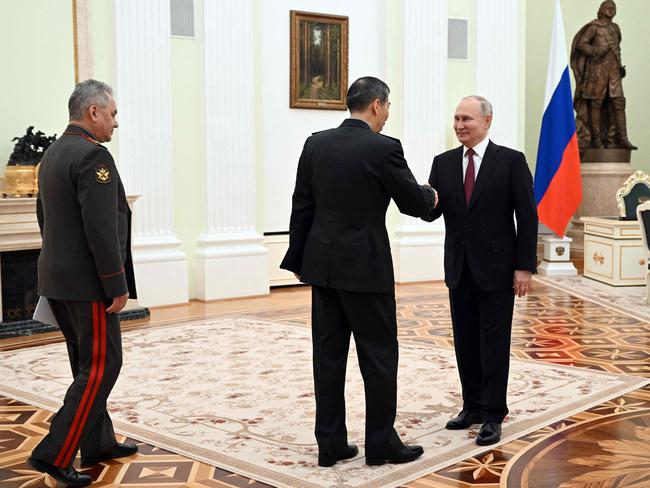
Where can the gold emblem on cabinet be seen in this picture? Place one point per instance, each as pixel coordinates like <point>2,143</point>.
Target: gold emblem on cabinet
<point>598,258</point>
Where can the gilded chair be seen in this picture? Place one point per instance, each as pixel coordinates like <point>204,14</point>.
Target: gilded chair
<point>634,192</point>
<point>643,215</point>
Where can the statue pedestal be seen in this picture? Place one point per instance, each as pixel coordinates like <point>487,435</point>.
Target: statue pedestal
<point>600,182</point>
<point>556,257</point>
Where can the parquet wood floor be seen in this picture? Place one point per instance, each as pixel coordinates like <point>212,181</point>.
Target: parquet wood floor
<point>607,444</point>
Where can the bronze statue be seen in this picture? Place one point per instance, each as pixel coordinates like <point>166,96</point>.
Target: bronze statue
<point>598,100</point>
<point>29,148</point>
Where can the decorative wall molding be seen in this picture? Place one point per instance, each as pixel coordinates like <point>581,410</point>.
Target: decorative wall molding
<point>143,93</point>
<point>83,45</point>
<point>278,246</point>
<point>418,245</point>
<point>231,258</point>
<point>497,66</point>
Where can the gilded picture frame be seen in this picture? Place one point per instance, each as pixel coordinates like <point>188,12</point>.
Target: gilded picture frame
<point>319,60</point>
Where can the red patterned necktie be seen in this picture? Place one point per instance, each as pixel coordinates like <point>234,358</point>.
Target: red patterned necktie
<point>469,176</point>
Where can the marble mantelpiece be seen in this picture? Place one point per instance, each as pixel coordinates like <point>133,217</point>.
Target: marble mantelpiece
<point>19,231</point>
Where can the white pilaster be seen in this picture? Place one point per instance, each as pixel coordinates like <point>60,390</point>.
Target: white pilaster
<point>143,94</point>
<point>418,246</point>
<point>497,65</point>
<point>231,258</point>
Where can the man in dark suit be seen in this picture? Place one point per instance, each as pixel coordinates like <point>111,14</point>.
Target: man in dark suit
<point>339,244</point>
<point>489,258</point>
<point>86,272</point>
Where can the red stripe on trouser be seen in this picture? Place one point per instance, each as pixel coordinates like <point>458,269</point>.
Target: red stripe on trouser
<point>98,382</point>
<point>68,445</point>
<point>100,376</point>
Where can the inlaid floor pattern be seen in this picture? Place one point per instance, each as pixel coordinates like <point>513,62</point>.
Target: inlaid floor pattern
<point>601,445</point>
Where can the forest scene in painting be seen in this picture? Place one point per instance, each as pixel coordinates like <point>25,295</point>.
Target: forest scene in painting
<point>319,74</point>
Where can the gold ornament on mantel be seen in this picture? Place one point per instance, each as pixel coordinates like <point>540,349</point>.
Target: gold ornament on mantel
<point>20,181</point>
<point>21,173</point>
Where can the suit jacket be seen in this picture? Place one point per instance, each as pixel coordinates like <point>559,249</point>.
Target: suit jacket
<point>85,222</point>
<point>484,233</point>
<point>337,234</point>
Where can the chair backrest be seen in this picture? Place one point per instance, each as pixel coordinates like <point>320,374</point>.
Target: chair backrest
<point>635,191</point>
<point>643,215</point>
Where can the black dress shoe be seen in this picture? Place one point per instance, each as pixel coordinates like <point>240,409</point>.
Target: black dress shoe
<point>404,455</point>
<point>117,451</point>
<point>464,420</point>
<point>398,452</point>
<point>490,434</point>
<point>69,476</point>
<point>328,459</point>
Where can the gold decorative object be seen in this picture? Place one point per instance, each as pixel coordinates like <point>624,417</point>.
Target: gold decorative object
<point>20,181</point>
<point>559,250</point>
<point>598,258</point>
<point>21,172</point>
<point>642,262</point>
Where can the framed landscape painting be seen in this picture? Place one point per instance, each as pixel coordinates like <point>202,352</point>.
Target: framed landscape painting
<point>319,61</point>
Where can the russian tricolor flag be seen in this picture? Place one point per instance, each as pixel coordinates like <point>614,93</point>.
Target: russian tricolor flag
<point>558,187</point>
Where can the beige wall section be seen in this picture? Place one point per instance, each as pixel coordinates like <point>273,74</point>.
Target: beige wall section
<point>37,69</point>
<point>102,29</point>
<point>461,74</point>
<point>102,20</point>
<point>631,17</point>
<point>394,25</point>
<point>188,136</point>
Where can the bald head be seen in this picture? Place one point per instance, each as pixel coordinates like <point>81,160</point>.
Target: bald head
<point>485,106</point>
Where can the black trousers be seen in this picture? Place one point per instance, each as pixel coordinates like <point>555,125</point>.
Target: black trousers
<point>482,323</point>
<point>371,317</point>
<point>95,351</point>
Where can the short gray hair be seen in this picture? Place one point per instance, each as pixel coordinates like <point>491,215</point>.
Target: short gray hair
<point>486,107</point>
<point>85,94</point>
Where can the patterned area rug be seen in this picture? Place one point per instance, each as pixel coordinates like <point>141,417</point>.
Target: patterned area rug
<point>629,300</point>
<point>237,393</point>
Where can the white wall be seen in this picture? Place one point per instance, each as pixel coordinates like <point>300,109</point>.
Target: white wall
<point>283,130</point>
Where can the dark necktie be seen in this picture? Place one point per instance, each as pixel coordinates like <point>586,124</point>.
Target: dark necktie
<point>469,176</point>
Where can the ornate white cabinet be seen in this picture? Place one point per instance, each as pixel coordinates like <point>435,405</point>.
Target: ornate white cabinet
<point>614,251</point>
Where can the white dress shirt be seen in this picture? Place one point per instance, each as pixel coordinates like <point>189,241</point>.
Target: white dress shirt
<point>479,152</point>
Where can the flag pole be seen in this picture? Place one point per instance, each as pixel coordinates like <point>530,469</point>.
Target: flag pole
<point>558,184</point>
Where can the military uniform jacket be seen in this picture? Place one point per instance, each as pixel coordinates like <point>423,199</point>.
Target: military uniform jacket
<point>483,233</point>
<point>337,233</point>
<point>85,222</point>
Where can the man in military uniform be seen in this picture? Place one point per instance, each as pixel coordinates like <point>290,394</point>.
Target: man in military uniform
<point>86,272</point>
<point>338,243</point>
<point>596,64</point>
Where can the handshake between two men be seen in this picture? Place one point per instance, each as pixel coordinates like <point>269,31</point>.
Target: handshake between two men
<point>339,244</point>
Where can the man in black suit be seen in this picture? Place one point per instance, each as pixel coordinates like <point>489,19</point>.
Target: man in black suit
<point>86,272</point>
<point>339,244</point>
<point>489,258</point>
